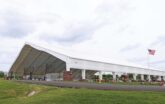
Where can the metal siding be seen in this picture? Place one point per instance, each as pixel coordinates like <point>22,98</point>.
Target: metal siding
<point>92,65</point>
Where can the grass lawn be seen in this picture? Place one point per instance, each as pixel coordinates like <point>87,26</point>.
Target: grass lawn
<point>17,93</point>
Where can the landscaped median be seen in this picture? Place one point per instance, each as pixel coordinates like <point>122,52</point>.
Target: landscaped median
<point>18,93</point>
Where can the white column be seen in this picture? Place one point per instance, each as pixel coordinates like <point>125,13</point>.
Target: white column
<point>83,74</point>
<point>68,64</point>
<point>142,77</point>
<point>114,76</point>
<point>149,78</point>
<point>159,78</point>
<point>100,76</point>
<point>134,76</point>
<point>164,78</point>
<point>67,67</point>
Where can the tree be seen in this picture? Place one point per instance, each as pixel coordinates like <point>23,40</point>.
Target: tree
<point>2,74</point>
<point>107,76</point>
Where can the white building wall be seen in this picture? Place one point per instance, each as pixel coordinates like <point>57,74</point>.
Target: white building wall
<point>107,67</point>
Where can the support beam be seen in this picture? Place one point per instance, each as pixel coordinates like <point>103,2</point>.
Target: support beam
<point>163,78</point>
<point>67,67</point>
<point>68,64</point>
<point>134,76</point>
<point>83,74</point>
<point>159,78</point>
<point>114,76</point>
<point>100,76</point>
<point>149,78</point>
<point>142,77</point>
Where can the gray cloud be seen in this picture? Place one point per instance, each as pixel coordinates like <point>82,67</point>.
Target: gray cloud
<point>137,60</point>
<point>123,28</point>
<point>160,40</point>
<point>14,25</point>
<point>116,9</point>
<point>130,47</point>
<point>86,30</point>
<point>159,62</point>
<point>75,34</point>
<point>4,56</point>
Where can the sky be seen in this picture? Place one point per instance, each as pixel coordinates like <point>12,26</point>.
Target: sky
<point>120,29</point>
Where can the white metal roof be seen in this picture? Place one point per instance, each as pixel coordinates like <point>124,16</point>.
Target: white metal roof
<point>68,53</point>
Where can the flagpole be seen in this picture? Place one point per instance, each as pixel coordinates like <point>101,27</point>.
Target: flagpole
<point>150,52</point>
<point>148,60</point>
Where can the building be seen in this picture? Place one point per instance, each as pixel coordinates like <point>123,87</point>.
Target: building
<point>34,62</point>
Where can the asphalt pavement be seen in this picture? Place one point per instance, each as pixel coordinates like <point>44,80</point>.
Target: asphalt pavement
<point>107,86</point>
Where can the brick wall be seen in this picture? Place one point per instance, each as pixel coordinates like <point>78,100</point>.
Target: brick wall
<point>67,75</point>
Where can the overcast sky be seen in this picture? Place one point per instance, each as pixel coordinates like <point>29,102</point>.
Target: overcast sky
<point>122,29</point>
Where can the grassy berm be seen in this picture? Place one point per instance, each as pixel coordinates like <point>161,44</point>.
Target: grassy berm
<point>18,93</point>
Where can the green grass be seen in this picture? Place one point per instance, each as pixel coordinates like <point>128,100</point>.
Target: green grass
<point>16,93</point>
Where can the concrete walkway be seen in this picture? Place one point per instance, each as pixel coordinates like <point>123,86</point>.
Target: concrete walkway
<point>97,86</point>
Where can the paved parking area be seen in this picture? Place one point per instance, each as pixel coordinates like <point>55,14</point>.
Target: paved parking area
<point>97,86</point>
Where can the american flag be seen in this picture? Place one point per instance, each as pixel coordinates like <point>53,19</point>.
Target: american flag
<point>151,52</point>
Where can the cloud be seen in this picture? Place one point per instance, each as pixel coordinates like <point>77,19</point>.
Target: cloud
<point>159,62</point>
<point>130,47</point>
<point>159,41</point>
<point>75,33</point>
<point>14,25</point>
<point>7,58</point>
<point>106,13</point>
<point>123,28</point>
<point>115,9</point>
<point>138,60</point>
